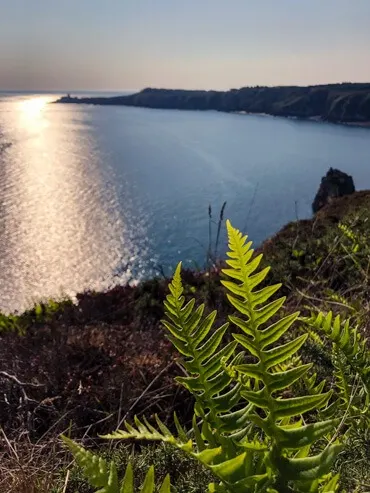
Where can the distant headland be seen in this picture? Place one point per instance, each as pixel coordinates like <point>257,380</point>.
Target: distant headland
<point>340,103</point>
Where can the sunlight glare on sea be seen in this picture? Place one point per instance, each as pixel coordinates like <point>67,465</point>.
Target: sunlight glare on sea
<point>61,231</point>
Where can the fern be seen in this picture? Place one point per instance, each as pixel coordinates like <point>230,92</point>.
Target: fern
<point>191,333</point>
<point>281,422</point>
<point>355,246</point>
<point>351,360</point>
<point>248,427</point>
<point>245,429</point>
<point>354,238</point>
<point>102,475</point>
<point>311,384</point>
<point>348,341</point>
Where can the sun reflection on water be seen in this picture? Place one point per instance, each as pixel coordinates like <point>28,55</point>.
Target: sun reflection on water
<point>34,106</point>
<point>57,233</point>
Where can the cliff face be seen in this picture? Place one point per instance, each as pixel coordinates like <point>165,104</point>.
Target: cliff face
<point>333,185</point>
<point>349,103</point>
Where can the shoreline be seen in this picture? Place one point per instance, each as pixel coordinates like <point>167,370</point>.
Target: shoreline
<point>317,119</point>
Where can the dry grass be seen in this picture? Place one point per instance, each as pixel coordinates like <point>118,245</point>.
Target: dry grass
<point>26,467</point>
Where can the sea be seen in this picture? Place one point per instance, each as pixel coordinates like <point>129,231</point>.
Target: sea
<point>95,196</point>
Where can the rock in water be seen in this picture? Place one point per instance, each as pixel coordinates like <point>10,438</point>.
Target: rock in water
<point>334,184</point>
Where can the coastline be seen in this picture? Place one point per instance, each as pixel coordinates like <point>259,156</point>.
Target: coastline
<point>317,119</point>
<point>347,103</point>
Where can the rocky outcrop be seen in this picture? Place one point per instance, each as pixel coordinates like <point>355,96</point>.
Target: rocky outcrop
<point>341,103</point>
<point>334,184</point>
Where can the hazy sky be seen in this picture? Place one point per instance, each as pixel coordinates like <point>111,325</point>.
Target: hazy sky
<point>131,44</point>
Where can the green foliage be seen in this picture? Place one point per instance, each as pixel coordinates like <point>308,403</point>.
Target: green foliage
<point>104,476</point>
<point>355,245</point>
<point>353,238</point>
<point>45,311</point>
<point>245,430</point>
<point>250,429</point>
<point>324,263</point>
<point>187,474</point>
<point>351,360</point>
<point>11,323</point>
<point>354,464</point>
<point>40,313</point>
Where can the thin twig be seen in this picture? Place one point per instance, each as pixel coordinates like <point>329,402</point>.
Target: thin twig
<point>22,384</point>
<point>96,423</point>
<point>313,298</point>
<point>66,481</point>
<point>220,220</point>
<point>251,206</point>
<point>120,405</point>
<point>9,444</point>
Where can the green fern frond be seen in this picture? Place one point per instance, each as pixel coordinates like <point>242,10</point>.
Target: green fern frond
<point>348,341</point>
<point>145,431</point>
<point>103,475</point>
<point>204,360</point>
<point>230,471</point>
<point>311,384</point>
<point>99,473</point>
<point>259,337</point>
<point>331,484</point>
<point>314,336</point>
<point>308,468</point>
<point>339,299</point>
<point>354,238</point>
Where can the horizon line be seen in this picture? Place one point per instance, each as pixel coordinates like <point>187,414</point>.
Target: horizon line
<point>122,90</point>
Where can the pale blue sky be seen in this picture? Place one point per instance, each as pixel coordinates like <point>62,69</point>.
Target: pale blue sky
<point>131,44</point>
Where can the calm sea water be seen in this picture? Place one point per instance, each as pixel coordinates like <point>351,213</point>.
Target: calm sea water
<point>94,196</point>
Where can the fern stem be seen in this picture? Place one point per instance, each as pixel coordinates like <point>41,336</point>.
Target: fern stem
<point>257,335</point>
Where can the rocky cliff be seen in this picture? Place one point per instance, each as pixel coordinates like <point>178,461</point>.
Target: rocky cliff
<point>333,185</point>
